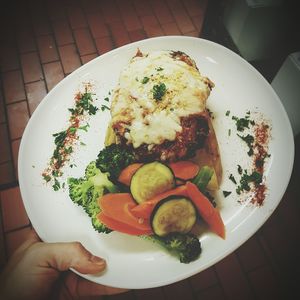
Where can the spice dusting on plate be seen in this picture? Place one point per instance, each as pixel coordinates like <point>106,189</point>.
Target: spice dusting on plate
<point>256,134</point>
<point>65,140</point>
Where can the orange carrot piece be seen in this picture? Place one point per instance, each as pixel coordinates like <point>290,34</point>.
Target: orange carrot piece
<point>145,209</point>
<point>127,173</point>
<point>206,210</point>
<point>121,227</point>
<point>117,206</point>
<point>184,169</point>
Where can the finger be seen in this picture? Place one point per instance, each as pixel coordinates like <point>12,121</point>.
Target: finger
<point>80,287</point>
<point>31,239</point>
<point>63,256</point>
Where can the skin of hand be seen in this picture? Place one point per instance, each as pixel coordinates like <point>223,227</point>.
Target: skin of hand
<point>40,270</point>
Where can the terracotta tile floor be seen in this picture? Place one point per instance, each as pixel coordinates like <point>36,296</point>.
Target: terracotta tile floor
<point>43,41</point>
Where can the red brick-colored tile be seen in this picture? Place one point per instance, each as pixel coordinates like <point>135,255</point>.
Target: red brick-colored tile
<point>119,33</point>
<point>194,7</point>
<point>47,48</point>
<point>198,22</point>
<point>86,58</point>
<point>123,296</point>
<point>149,294</point>
<point>192,33</point>
<point>62,32</point>
<point>184,22</point>
<point>15,145</point>
<point>31,67</point>
<point>233,279</point>
<point>204,279</point>
<point>2,248</point>
<point>129,15</point>
<point>162,11</point>
<point>143,8</point>
<point>9,59</point>
<point>178,290</point>
<point>53,74</point>
<point>13,86</point>
<point>15,239</point>
<point>7,175</point>
<point>13,210</point>
<point>251,254</point>
<point>41,25</point>
<point>212,293</point>
<point>4,142</point>
<point>90,6</point>
<point>35,91</point>
<point>151,26</point>
<point>55,9</point>
<point>97,25</point>
<point>76,17</point>
<point>283,248</point>
<point>265,284</point>
<point>18,117</point>
<point>110,11</point>
<point>104,45</point>
<point>171,29</point>
<point>84,41</point>
<point>2,108</point>
<point>137,35</point>
<point>69,58</point>
<point>25,38</point>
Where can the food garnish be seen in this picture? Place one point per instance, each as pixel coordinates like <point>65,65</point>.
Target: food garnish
<point>66,140</point>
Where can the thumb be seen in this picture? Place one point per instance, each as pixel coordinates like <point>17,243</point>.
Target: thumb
<point>63,256</point>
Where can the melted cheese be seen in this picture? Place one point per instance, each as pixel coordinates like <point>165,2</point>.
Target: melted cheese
<point>147,118</point>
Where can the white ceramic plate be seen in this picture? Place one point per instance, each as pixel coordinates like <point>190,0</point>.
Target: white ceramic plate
<point>133,262</point>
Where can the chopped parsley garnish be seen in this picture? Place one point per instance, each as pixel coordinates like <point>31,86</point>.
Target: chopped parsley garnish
<point>159,69</point>
<point>249,140</point>
<point>231,177</point>
<point>65,140</point>
<point>226,193</point>
<point>104,107</point>
<point>159,91</point>
<point>227,113</point>
<point>240,170</point>
<point>242,123</point>
<point>145,80</point>
<point>106,99</point>
<point>255,177</point>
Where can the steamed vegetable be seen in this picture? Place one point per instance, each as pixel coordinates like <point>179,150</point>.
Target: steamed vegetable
<point>118,207</point>
<point>206,210</point>
<point>185,170</point>
<point>113,159</point>
<point>151,179</point>
<point>186,247</point>
<point>173,214</point>
<point>86,190</point>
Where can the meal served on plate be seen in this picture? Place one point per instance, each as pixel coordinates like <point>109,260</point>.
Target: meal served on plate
<point>160,163</point>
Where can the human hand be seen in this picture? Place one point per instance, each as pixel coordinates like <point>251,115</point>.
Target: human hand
<point>40,270</point>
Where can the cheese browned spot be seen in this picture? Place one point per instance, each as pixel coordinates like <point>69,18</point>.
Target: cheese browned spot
<point>159,106</point>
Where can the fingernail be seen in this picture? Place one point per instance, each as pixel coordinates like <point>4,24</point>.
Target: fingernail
<point>97,260</point>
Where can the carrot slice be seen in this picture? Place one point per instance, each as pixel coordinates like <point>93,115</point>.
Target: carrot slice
<point>145,209</point>
<point>127,173</point>
<point>206,210</point>
<point>184,169</point>
<point>117,206</point>
<point>121,227</point>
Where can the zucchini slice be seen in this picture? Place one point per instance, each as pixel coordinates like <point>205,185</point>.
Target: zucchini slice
<point>173,214</point>
<point>150,180</point>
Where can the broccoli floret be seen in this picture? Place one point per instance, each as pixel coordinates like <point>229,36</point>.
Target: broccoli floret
<point>186,247</point>
<point>113,159</point>
<point>91,170</point>
<point>85,191</point>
